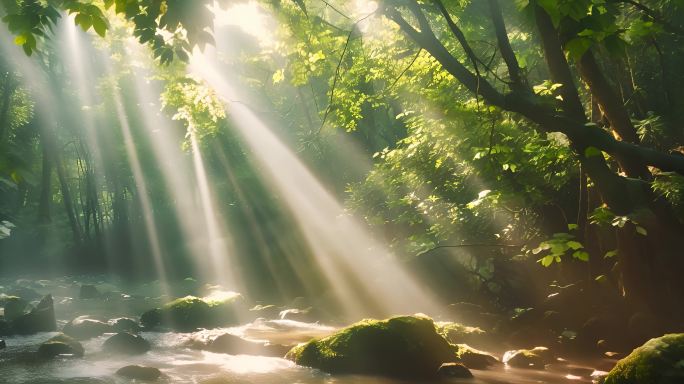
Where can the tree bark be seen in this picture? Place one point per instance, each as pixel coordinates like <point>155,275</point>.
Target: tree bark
<point>8,89</point>
<point>613,108</point>
<point>45,187</point>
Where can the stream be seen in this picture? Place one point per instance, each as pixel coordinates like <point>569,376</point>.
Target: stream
<point>181,361</point>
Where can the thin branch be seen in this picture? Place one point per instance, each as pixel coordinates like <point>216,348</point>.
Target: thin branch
<point>460,36</point>
<point>655,16</point>
<point>337,70</point>
<point>427,40</point>
<point>336,10</point>
<point>407,68</point>
<point>504,43</point>
<point>334,85</point>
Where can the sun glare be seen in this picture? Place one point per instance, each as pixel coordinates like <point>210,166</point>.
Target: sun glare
<point>247,16</point>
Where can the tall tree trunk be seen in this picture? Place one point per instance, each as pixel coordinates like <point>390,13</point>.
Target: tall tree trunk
<point>9,85</point>
<point>614,110</point>
<point>45,187</point>
<point>50,142</point>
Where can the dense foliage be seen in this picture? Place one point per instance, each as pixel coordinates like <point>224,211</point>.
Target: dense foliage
<point>509,136</point>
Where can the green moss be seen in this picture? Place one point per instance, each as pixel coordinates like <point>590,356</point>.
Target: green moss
<point>60,344</point>
<point>190,313</point>
<point>659,361</point>
<point>456,330</point>
<point>474,358</point>
<point>406,346</point>
<point>457,333</point>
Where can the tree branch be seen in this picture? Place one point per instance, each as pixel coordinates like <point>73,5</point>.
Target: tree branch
<point>456,31</point>
<point>428,41</point>
<point>504,43</point>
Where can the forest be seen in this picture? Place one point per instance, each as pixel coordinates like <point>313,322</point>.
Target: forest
<point>341,191</point>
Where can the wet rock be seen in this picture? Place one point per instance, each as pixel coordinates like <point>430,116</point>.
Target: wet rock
<point>14,307</point>
<point>535,358</point>
<point>475,359</point>
<point>60,345</point>
<point>405,347</point>
<point>191,313</point>
<point>3,345</point>
<point>125,324</point>
<point>152,318</point>
<point>138,372</point>
<point>5,328</point>
<point>598,377</point>
<point>40,319</point>
<point>659,361</point>
<point>89,291</point>
<point>126,343</point>
<point>83,328</point>
<point>25,293</point>
<point>235,345</point>
<point>454,371</point>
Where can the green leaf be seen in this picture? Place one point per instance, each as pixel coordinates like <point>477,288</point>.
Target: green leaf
<point>578,46</point>
<point>551,7</point>
<point>641,230</point>
<point>575,245</point>
<point>83,20</point>
<point>581,255</point>
<point>20,40</point>
<point>546,261</point>
<point>100,26</point>
<point>610,254</point>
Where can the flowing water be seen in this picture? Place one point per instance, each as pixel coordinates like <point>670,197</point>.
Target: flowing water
<point>179,358</point>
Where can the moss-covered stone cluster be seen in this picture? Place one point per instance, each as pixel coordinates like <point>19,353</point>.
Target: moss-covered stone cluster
<point>659,361</point>
<point>190,313</point>
<point>406,346</point>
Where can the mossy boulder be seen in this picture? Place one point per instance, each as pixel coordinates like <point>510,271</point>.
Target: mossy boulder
<point>60,345</point>
<point>473,358</point>
<point>659,361</point>
<point>126,344</point>
<point>190,313</point>
<point>404,347</point>
<point>458,333</point>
